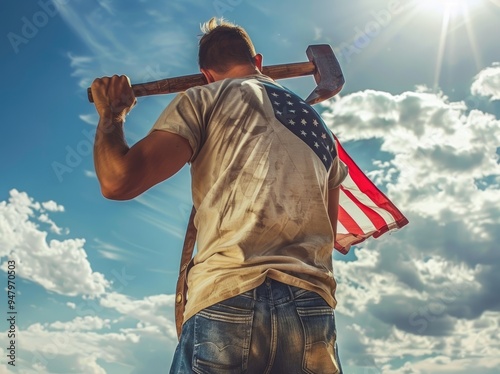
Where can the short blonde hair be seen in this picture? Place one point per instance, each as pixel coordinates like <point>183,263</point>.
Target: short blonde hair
<point>223,45</point>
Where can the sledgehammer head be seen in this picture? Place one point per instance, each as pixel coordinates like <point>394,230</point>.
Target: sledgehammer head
<point>328,74</point>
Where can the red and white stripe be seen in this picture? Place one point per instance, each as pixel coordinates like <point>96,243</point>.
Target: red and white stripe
<point>364,210</point>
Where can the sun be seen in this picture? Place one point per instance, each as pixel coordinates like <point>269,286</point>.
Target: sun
<point>449,8</point>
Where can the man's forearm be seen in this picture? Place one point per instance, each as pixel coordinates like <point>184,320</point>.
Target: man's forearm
<point>110,149</point>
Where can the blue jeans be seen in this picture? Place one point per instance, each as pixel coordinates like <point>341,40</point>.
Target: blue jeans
<point>274,328</point>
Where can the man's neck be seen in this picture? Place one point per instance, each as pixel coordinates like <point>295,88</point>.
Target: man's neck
<point>237,71</point>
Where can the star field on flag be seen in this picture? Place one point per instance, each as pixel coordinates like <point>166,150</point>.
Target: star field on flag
<point>301,119</point>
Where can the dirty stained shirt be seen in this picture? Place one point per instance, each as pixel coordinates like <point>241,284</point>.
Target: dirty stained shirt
<point>259,186</point>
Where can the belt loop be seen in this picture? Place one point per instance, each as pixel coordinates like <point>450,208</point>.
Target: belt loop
<point>290,290</point>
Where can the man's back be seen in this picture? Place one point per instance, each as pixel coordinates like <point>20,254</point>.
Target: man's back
<point>262,164</point>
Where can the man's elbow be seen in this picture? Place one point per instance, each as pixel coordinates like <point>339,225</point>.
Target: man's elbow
<point>114,194</point>
<point>114,190</point>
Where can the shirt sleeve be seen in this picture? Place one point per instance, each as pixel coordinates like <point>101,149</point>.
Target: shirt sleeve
<point>183,118</point>
<point>338,171</point>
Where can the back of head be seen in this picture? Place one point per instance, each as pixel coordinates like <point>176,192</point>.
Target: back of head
<point>224,45</point>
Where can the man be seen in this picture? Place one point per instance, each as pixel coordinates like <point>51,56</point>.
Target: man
<point>265,185</point>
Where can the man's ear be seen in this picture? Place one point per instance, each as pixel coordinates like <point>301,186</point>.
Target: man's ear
<point>258,61</point>
<point>208,76</point>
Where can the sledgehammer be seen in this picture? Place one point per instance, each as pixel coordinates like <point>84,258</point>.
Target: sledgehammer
<point>322,64</point>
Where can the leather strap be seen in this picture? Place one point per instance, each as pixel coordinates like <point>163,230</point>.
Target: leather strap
<point>186,258</point>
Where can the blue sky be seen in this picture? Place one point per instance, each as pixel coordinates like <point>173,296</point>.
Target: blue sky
<point>419,113</point>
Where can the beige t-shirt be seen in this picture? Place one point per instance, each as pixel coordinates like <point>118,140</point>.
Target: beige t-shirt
<point>263,161</point>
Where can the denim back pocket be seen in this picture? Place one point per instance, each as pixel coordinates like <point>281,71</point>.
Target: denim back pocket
<point>222,336</point>
<point>318,322</point>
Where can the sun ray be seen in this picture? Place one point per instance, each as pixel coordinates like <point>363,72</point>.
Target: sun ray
<point>441,48</point>
<point>472,40</point>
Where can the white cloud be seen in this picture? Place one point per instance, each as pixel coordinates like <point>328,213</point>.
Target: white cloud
<point>82,324</point>
<point>91,119</point>
<point>107,5</point>
<point>109,250</point>
<point>68,351</point>
<point>487,82</point>
<point>90,174</point>
<point>59,266</point>
<point>53,227</point>
<point>52,206</point>
<point>141,337</point>
<point>473,348</point>
<point>71,305</point>
<point>152,311</point>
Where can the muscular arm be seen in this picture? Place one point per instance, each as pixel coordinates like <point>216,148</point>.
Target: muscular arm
<point>333,208</point>
<point>125,172</point>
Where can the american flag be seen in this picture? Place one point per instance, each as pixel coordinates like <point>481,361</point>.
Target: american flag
<point>364,210</point>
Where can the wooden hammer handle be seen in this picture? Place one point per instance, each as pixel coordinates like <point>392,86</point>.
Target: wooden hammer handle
<point>283,71</point>
<point>177,84</point>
